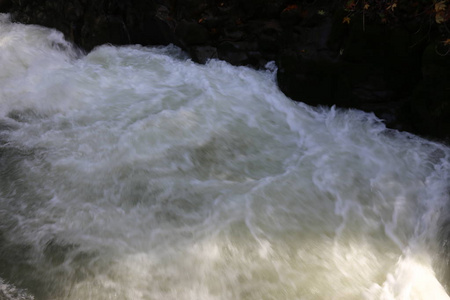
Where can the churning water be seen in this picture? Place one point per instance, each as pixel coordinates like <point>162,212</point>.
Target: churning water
<point>134,173</point>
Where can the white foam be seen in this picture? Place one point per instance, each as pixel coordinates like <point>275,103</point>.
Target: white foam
<point>134,173</point>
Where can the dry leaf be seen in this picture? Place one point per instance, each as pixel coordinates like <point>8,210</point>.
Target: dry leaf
<point>350,5</point>
<point>440,6</point>
<point>346,20</point>
<point>290,7</point>
<point>440,18</point>
<point>366,6</point>
<point>392,6</point>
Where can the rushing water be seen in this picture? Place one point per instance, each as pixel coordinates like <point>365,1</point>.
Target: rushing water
<point>134,173</point>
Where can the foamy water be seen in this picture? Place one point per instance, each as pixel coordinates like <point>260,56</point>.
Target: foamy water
<point>134,173</point>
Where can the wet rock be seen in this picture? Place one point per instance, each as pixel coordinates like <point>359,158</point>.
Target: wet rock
<point>233,53</point>
<point>73,11</point>
<point>430,105</point>
<point>269,36</point>
<point>5,5</point>
<point>191,33</point>
<point>202,54</point>
<point>190,9</point>
<point>234,33</point>
<point>156,32</point>
<point>316,82</point>
<point>102,30</point>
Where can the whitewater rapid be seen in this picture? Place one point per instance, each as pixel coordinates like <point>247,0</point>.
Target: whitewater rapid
<point>134,173</point>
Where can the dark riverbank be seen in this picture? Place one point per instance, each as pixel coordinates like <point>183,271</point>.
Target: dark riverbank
<point>396,70</point>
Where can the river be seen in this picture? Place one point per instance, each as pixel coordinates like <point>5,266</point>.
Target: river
<point>134,173</point>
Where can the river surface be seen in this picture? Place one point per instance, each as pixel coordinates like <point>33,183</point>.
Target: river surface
<point>134,173</point>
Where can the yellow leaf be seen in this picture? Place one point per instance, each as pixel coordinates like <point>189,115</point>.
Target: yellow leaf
<point>440,6</point>
<point>350,5</point>
<point>446,42</point>
<point>440,18</point>
<point>366,6</point>
<point>346,20</point>
<point>392,6</point>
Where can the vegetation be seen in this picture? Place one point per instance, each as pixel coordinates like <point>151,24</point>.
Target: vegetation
<point>432,13</point>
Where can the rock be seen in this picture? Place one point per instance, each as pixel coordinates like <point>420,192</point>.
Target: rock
<point>150,23</point>
<point>262,8</point>
<point>191,33</point>
<point>190,9</point>
<point>233,53</point>
<point>5,5</point>
<point>316,82</point>
<point>430,105</point>
<point>291,15</point>
<point>155,31</point>
<point>202,54</point>
<point>104,29</point>
<point>269,36</point>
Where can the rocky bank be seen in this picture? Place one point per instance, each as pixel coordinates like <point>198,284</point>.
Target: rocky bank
<point>397,70</point>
